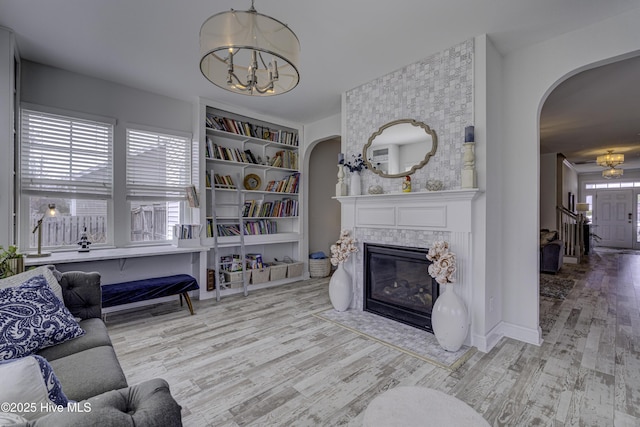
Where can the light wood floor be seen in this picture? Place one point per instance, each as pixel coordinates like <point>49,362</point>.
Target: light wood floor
<point>265,360</point>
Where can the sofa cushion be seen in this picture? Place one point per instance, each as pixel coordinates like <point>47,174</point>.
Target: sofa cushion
<point>29,382</point>
<point>89,372</point>
<point>148,404</point>
<point>46,271</point>
<point>31,318</point>
<point>96,335</point>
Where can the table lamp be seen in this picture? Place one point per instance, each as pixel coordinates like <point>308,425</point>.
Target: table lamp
<point>51,212</point>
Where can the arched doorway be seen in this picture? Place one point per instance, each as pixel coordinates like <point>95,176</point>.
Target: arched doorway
<point>527,77</point>
<point>323,213</point>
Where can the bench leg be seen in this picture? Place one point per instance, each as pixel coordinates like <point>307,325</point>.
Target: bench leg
<point>188,300</point>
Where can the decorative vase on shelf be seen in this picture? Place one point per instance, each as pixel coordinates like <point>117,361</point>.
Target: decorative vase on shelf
<point>340,289</point>
<point>450,319</point>
<point>355,184</point>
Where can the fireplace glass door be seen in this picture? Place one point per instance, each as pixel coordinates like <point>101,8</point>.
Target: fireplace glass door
<point>397,284</point>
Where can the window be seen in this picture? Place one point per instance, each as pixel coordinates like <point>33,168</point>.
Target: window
<point>158,170</point>
<point>66,161</point>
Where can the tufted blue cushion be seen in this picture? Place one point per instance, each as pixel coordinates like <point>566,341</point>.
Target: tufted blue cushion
<point>31,318</point>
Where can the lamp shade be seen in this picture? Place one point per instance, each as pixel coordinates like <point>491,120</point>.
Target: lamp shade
<point>582,207</point>
<point>237,38</point>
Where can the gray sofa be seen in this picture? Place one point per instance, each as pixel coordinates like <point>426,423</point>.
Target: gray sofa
<point>89,371</point>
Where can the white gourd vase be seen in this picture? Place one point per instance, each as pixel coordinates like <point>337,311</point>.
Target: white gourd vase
<point>340,289</point>
<point>355,187</point>
<point>450,319</point>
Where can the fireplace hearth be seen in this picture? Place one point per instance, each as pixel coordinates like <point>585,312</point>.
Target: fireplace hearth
<point>397,284</point>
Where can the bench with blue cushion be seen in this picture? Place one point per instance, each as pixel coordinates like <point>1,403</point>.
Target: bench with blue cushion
<point>147,289</point>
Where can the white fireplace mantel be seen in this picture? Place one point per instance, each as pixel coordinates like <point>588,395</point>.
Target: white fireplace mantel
<point>426,210</point>
<point>407,216</point>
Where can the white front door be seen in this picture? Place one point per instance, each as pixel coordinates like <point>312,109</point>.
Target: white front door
<point>613,218</point>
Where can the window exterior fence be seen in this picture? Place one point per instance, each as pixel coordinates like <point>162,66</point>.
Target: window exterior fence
<point>148,223</point>
<point>65,230</point>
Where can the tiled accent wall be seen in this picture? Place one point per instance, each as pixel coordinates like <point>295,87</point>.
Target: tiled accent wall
<point>437,91</point>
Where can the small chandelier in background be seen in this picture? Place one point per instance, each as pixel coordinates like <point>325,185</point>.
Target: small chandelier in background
<point>249,53</point>
<point>612,173</point>
<point>610,160</point>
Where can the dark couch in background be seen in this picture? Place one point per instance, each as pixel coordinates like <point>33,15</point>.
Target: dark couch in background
<point>551,251</point>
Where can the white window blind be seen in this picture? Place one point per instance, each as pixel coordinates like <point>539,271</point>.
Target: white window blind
<point>65,156</point>
<point>158,165</point>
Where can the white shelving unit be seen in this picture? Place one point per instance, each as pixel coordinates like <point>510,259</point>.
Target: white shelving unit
<point>231,156</point>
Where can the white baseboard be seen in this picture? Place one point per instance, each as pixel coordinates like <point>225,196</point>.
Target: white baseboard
<point>487,342</point>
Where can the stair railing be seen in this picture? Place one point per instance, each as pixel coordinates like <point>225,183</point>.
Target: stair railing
<point>571,232</point>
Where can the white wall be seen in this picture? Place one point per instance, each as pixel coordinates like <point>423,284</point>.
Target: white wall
<point>548,190</point>
<point>529,76</point>
<point>56,88</point>
<point>487,213</point>
<point>569,185</point>
<point>7,45</point>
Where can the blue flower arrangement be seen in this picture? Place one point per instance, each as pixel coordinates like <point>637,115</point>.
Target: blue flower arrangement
<point>356,164</point>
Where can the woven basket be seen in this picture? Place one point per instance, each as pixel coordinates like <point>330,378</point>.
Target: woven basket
<point>319,267</point>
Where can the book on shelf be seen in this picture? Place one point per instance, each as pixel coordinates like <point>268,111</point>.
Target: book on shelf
<point>224,181</point>
<point>245,128</point>
<point>211,279</point>
<point>251,208</point>
<point>186,231</point>
<point>226,230</point>
<point>254,261</point>
<point>192,196</point>
<point>285,159</point>
<point>260,227</point>
<point>231,262</point>
<point>287,185</point>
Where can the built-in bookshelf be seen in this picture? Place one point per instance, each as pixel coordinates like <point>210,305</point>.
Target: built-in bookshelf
<point>251,179</point>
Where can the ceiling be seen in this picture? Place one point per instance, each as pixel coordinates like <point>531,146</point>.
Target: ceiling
<point>592,112</point>
<point>153,45</point>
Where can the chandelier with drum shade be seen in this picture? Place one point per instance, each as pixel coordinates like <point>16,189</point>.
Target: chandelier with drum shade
<point>249,53</point>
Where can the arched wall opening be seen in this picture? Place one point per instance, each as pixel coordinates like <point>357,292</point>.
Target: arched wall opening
<point>529,75</point>
<point>322,213</point>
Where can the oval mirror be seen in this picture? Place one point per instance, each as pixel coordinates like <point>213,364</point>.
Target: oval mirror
<point>400,148</point>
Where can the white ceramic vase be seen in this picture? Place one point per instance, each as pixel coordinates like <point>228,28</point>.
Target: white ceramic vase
<point>450,319</point>
<point>340,289</point>
<point>355,186</point>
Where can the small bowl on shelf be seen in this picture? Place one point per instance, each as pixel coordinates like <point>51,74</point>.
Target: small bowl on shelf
<point>375,189</point>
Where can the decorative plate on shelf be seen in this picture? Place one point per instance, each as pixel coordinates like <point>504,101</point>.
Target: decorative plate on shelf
<point>252,182</point>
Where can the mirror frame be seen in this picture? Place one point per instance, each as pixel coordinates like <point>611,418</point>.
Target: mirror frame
<point>414,168</point>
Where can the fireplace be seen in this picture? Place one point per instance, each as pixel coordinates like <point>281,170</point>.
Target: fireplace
<point>397,284</point>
